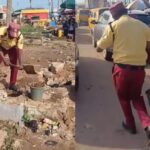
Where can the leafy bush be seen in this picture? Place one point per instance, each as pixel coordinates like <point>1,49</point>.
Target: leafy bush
<point>30,29</point>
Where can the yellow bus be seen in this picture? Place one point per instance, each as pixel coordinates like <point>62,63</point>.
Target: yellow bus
<point>82,16</point>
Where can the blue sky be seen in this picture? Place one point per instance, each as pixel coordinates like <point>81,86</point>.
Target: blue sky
<point>80,1</point>
<point>18,4</point>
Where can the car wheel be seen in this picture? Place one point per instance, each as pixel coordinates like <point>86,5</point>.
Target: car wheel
<point>76,82</point>
<point>76,68</point>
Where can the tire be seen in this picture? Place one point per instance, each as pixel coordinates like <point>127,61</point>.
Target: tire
<point>76,82</point>
<point>76,68</point>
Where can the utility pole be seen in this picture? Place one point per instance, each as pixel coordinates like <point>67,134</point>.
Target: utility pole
<point>58,4</point>
<point>9,11</point>
<point>30,3</point>
<point>89,4</point>
<point>52,6</point>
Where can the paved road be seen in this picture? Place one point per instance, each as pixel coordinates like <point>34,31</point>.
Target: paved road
<point>98,114</point>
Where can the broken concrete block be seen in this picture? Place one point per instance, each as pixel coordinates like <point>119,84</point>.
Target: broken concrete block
<point>32,112</point>
<point>2,87</point>
<point>56,67</point>
<point>46,95</point>
<point>3,95</point>
<point>52,81</point>
<point>3,136</point>
<point>17,144</point>
<point>47,74</point>
<point>12,112</point>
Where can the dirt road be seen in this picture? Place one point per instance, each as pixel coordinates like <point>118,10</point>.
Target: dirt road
<point>98,114</point>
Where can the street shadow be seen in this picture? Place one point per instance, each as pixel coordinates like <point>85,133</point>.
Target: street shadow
<point>98,113</point>
<point>83,36</point>
<point>82,31</point>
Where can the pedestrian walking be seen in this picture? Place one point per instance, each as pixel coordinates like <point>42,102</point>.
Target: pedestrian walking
<point>129,40</point>
<point>11,44</point>
<point>72,27</point>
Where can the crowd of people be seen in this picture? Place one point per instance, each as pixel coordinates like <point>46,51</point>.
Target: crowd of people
<point>68,25</point>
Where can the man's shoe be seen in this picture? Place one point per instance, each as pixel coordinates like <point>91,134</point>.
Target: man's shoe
<point>13,88</point>
<point>129,129</point>
<point>147,131</point>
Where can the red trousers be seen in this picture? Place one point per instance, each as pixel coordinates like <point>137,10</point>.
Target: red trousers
<point>13,54</point>
<point>128,84</point>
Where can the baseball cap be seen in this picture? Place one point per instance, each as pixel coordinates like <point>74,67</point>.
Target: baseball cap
<point>117,7</point>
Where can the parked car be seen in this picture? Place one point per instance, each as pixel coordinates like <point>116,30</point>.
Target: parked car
<point>106,17</point>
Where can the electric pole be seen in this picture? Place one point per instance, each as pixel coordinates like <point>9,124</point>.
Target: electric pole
<point>58,4</point>
<point>30,3</point>
<point>89,4</point>
<point>146,2</point>
<point>9,11</point>
<point>52,6</point>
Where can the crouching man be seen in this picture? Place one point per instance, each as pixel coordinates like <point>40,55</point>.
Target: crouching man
<point>11,44</point>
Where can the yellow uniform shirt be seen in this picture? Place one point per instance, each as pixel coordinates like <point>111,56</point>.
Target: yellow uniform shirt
<point>8,43</point>
<point>129,46</point>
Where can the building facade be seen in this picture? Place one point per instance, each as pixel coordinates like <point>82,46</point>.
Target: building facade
<point>102,3</point>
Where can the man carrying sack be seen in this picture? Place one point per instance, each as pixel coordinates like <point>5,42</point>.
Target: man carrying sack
<point>11,43</point>
<point>132,37</point>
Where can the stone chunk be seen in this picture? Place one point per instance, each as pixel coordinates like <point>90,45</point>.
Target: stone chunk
<point>3,136</point>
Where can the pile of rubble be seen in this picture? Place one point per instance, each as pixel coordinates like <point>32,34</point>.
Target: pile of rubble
<point>52,116</point>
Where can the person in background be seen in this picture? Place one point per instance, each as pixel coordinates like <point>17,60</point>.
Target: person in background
<point>131,39</point>
<point>53,23</point>
<point>11,43</point>
<point>72,27</point>
<point>65,27</point>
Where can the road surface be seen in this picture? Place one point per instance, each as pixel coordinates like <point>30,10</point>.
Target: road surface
<point>98,113</point>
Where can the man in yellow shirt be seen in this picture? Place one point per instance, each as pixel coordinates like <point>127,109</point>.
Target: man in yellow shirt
<point>131,37</point>
<point>11,43</point>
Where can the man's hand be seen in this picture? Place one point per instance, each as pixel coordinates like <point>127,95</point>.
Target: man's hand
<point>20,67</point>
<point>6,62</point>
<point>98,49</point>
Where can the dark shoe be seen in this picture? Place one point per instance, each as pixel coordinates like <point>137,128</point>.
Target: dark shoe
<point>129,129</point>
<point>147,131</point>
<point>13,88</point>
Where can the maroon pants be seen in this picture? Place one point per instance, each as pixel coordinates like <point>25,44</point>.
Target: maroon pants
<point>13,54</point>
<point>128,84</point>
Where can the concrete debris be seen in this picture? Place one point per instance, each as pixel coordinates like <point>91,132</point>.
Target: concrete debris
<point>48,74</point>
<point>56,67</point>
<point>3,95</point>
<point>49,121</point>
<point>3,136</point>
<point>32,112</point>
<point>12,112</point>
<point>53,82</point>
<point>56,75</point>
<point>2,87</point>
<point>47,95</point>
<point>17,144</point>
